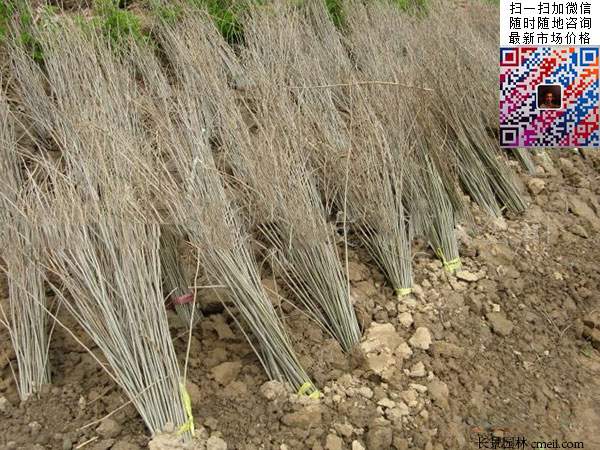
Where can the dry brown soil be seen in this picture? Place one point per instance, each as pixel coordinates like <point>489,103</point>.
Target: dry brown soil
<point>515,351</point>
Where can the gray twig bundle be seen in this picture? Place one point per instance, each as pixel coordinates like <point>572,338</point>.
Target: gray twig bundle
<point>25,317</point>
<point>198,200</point>
<point>101,250</point>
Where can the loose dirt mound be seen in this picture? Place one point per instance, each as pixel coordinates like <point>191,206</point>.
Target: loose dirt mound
<point>508,346</point>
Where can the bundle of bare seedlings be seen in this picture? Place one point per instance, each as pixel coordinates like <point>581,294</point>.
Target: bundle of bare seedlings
<point>111,271</point>
<point>432,212</point>
<point>99,220</point>
<point>403,106</point>
<point>155,107</point>
<point>457,62</point>
<point>199,201</point>
<point>379,172</point>
<point>25,315</point>
<point>274,162</point>
<point>358,160</point>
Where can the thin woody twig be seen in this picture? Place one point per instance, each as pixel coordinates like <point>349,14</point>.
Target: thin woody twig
<point>361,83</point>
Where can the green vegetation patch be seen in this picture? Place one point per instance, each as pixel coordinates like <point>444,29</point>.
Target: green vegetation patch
<point>117,24</point>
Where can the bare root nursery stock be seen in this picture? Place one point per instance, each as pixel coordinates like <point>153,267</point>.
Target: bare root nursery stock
<point>121,158</point>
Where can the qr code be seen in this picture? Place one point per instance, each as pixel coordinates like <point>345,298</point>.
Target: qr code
<point>549,97</point>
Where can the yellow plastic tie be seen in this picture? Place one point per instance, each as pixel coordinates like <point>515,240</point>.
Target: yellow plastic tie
<point>187,405</point>
<point>401,292</point>
<point>306,387</point>
<point>451,265</point>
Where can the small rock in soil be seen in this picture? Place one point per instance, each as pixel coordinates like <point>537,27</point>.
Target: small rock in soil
<point>439,393</point>
<point>358,271</point>
<point>386,403</point>
<point>345,429</point>
<point>211,423</point>
<point>499,323</point>
<point>447,349</point>
<point>356,445</point>
<point>410,397</point>
<point>404,351</point>
<point>5,405</point>
<point>418,291</point>
<point>365,392</point>
<point>418,370</point>
<point>194,392</point>
<point>421,339</point>
<point>166,441</point>
<point>216,443</point>
<point>309,415</point>
<point>379,436</point>
<point>378,347</point>
<point>125,445</point>
<point>536,186</point>
<point>592,321</point>
<point>103,445</point>
<point>226,372</point>
<point>273,389</point>
<point>465,275</point>
<point>405,319</point>
<point>593,335</point>
<point>108,428</point>
<point>399,411</point>
<point>67,443</point>
<point>334,442</point>
<point>418,387</point>
<point>220,326</point>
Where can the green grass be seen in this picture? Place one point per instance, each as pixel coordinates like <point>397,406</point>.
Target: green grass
<point>336,12</point>
<point>18,9</point>
<point>166,12</point>
<point>411,5</point>
<point>226,15</point>
<point>117,24</point>
<point>7,9</point>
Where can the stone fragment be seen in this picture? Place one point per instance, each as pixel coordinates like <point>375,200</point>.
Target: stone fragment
<point>356,445</point>
<point>125,445</point>
<point>108,428</point>
<point>405,319</point>
<point>418,370</point>
<point>333,442</point>
<point>5,405</point>
<point>273,389</point>
<point>216,443</point>
<point>536,186</point>
<point>386,403</point>
<point>465,275</point>
<point>379,436</point>
<point>308,416</point>
<point>379,345</point>
<point>357,271</point>
<point>418,387</point>
<point>421,339</point>
<point>400,410</point>
<point>365,392</point>
<point>499,323</point>
<point>593,335</point>
<point>447,349</point>
<point>345,429</point>
<point>226,372</point>
<point>592,320</point>
<point>438,390</point>
<point>404,351</point>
